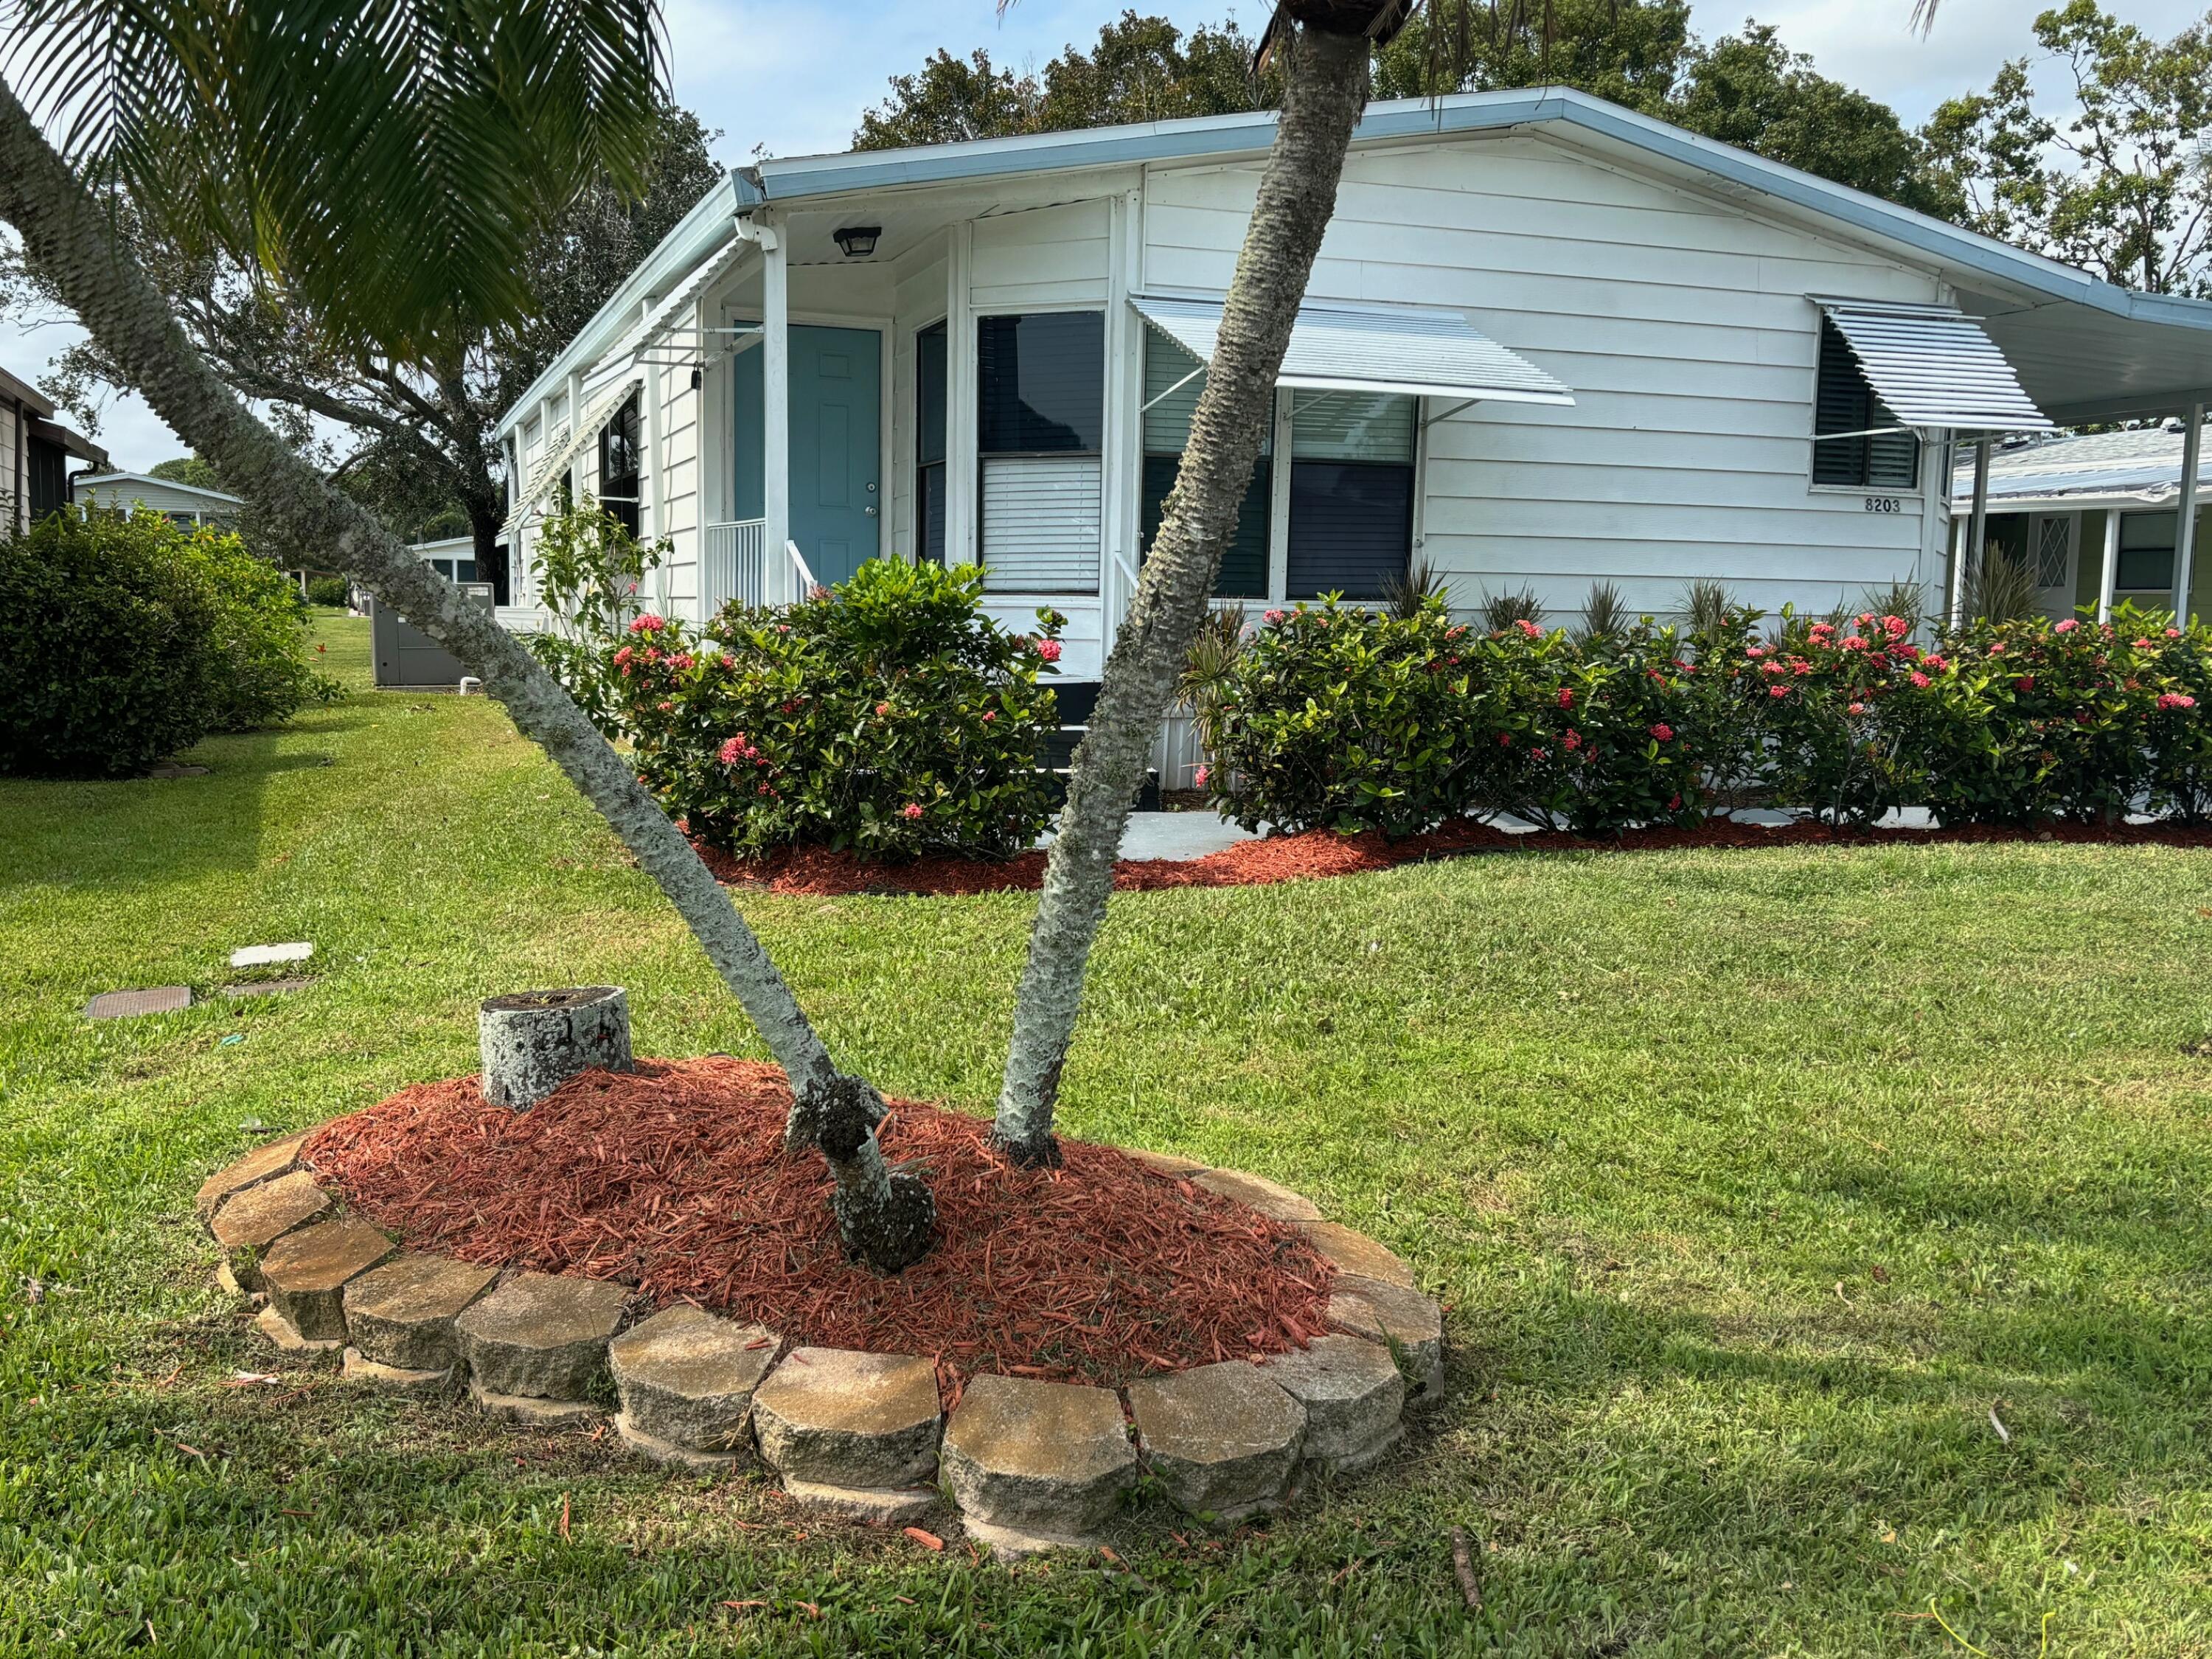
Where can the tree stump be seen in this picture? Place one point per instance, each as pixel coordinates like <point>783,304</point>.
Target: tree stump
<point>533,1042</point>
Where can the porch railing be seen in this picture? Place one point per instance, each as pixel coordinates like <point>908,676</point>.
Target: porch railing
<point>736,564</point>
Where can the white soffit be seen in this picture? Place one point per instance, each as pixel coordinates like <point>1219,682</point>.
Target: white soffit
<point>1337,346</point>
<point>1936,368</point>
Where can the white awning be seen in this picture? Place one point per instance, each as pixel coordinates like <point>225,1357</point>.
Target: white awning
<point>636,349</point>
<point>1935,368</point>
<point>1340,346</point>
<point>562,455</point>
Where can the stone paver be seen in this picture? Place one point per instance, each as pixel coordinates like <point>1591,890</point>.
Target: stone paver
<point>249,1222</point>
<point>129,1005</point>
<point>401,1315</point>
<point>306,1273</point>
<point>1169,1163</point>
<point>278,1329</point>
<point>874,1506</point>
<point>1349,1252</point>
<point>841,1418</point>
<point>1353,1396</point>
<point>541,1337</point>
<point>530,1411</point>
<point>358,1367</point>
<point>1037,1464</point>
<point>1258,1192</point>
<point>687,1377</point>
<point>269,955</point>
<point>1409,1323</point>
<point>278,1157</point>
<point>668,1452</point>
<point>1223,1439</point>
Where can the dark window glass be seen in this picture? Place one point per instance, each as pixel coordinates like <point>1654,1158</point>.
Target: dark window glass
<point>1351,527</point>
<point>2147,541</point>
<point>1244,560</point>
<point>465,570</point>
<point>619,465</point>
<point>48,476</point>
<point>932,388</point>
<point>1041,383</point>
<point>1844,402</point>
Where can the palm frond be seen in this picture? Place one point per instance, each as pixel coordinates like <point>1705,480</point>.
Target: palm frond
<point>389,161</point>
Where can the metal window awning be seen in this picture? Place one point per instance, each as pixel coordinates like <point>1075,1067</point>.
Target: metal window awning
<point>1935,368</point>
<point>562,455</point>
<point>663,338</point>
<point>1339,346</point>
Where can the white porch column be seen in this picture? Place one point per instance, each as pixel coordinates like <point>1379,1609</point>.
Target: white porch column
<point>2108,578</point>
<point>775,407</point>
<point>2184,539</point>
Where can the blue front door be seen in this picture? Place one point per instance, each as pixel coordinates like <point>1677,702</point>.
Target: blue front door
<point>836,453</point>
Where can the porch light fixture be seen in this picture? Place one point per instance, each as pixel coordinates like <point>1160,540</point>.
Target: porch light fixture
<point>857,241</point>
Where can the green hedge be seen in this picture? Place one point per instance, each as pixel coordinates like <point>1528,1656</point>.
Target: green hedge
<point>888,714</point>
<point>130,637</point>
<point>1335,715</point>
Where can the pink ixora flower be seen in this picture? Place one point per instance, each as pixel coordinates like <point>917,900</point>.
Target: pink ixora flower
<point>2065,626</point>
<point>1896,627</point>
<point>990,714</point>
<point>1754,652</point>
<point>734,750</point>
<point>1566,697</point>
<point>1572,741</point>
<point>1663,732</point>
<point>911,810</point>
<point>882,708</point>
<point>1856,709</point>
<point>1529,629</point>
<point>1777,690</point>
<point>1198,778</point>
<point>1854,643</point>
<point>1933,663</point>
<point>2176,700</point>
<point>2173,633</point>
<point>1920,680</point>
<point>2144,645</point>
<point>647,623</point>
<point>1048,650</point>
<point>623,657</point>
<point>1273,616</point>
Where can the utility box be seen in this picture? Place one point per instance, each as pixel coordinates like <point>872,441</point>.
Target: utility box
<point>407,659</point>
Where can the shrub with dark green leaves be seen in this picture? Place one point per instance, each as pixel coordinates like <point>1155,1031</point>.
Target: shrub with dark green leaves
<point>889,715</point>
<point>327,591</point>
<point>130,637</point>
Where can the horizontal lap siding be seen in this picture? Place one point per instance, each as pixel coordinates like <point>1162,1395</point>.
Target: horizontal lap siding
<point>1050,256</point>
<point>1681,325</point>
<point>679,488</point>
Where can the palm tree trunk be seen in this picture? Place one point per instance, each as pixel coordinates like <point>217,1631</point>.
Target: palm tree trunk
<point>886,1217</point>
<point>1324,89</point>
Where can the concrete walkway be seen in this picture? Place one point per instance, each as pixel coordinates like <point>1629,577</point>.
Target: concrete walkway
<point>1178,837</point>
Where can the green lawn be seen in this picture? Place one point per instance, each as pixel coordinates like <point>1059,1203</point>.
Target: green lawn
<point>1758,1182</point>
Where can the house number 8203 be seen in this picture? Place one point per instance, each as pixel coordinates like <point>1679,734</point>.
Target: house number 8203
<point>1884,504</point>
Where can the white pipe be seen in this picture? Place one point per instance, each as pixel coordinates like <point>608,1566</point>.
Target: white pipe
<point>1978,526</point>
<point>2110,577</point>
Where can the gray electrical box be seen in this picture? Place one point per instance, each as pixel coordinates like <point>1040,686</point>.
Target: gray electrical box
<point>407,659</point>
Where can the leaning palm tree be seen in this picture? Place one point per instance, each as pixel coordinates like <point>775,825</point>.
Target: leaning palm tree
<point>1323,49</point>
<point>389,161</point>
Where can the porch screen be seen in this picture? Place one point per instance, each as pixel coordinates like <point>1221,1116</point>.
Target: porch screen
<point>1351,492</point>
<point>1171,398</point>
<point>1041,412</point>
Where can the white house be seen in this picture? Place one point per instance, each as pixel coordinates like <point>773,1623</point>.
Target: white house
<point>2098,516</point>
<point>139,492</point>
<point>1548,341</point>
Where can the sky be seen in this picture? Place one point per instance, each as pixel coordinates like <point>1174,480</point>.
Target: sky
<point>794,78</point>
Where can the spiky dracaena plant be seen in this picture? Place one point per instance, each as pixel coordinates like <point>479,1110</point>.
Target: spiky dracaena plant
<point>391,161</point>
<point>2002,588</point>
<point>1322,48</point>
<point>1605,614</point>
<point>1404,597</point>
<point>1502,610</point>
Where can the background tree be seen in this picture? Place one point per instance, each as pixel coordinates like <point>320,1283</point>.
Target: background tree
<point>391,163</point>
<point>1748,89</point>
<point>411,435</point>
<point>2120,183</point>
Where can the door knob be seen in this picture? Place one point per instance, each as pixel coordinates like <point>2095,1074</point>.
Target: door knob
<point>870,511</point>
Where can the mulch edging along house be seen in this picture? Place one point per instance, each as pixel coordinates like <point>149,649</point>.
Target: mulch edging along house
<point>1034,1420</point>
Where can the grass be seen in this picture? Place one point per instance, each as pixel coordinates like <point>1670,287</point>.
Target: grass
<point>1759,1184</point>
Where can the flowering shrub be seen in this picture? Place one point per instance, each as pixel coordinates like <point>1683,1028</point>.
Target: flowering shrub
<point>888,714</point>
<point>129,638</point>
<point>589,570</point>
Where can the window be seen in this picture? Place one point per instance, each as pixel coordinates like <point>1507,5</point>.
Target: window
<point>620,465</point>
<point>1173,380</point>
<point>455,570</point>
<point>1041,411</point>
<point>2147,541</point>
<point>931,392</point>
<point>1351,492</point>
<point>1844,403</point>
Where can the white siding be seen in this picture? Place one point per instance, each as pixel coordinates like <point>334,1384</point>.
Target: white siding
<point>681,497</point>
<point>1050,256</point>
<point>12,504</point>
<point>1681,323</point>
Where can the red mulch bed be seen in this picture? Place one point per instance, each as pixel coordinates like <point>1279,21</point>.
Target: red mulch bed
<point>672,1178</point>
<point>818,871</point>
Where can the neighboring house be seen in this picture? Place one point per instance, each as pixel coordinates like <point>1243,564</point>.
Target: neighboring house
<point>2098,516</point>
<point>1547,342</point>
<point>35,454</point>
<point>454,557</point>
<point>137,492</point>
